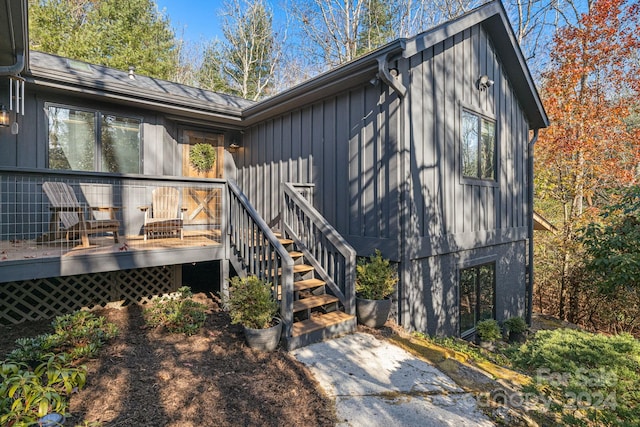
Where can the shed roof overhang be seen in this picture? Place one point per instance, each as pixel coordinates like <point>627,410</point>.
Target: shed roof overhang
<point>542,224</point>
<point>13,36</point>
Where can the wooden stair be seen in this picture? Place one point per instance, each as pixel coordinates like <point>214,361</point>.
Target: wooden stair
<point>317,315</point>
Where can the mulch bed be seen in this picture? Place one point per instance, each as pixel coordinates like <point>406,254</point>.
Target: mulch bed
<point>149,377</point>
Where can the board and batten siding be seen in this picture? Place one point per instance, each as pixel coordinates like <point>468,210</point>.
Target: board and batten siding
<point>449,213</point>
<point>345,146</point>
<point>387,175</point>
<point>457,222</point>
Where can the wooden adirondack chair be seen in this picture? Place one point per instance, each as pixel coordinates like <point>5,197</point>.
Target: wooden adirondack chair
<point>165,216</point>
<point>67,212</point>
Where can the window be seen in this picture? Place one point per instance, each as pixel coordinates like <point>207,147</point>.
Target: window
<point>477,296</point>
<point>93,141</point>
<point>478,146</point>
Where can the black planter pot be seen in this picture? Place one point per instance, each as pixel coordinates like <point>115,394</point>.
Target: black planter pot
<point>266,339</point>
<point>373,313</point>
<point>515,337</point>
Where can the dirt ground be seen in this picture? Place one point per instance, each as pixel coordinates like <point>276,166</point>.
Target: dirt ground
<point>148,377</point>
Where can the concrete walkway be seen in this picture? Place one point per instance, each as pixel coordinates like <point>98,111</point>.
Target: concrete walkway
<point>375,383</point>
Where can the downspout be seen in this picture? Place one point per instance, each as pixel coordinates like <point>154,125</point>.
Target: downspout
<point>15,69</point>
<point>529,307</point>
<point>392,79</point>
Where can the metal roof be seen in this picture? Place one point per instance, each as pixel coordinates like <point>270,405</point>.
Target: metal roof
<point>90,79</point>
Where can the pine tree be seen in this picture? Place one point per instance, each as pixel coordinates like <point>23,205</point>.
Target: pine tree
<point>113,33</point>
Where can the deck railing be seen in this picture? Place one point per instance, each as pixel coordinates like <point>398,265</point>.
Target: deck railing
<point>31,226</point>
<point>260,253</point>
<point>323,247</point>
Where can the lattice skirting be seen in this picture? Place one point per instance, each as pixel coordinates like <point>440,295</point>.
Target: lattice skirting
<point>46,298</point>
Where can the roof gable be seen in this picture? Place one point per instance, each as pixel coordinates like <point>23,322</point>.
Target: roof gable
<point>491,16</point>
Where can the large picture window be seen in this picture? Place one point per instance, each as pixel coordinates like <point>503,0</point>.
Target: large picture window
<point>478,146</point>
<point>93,141</point>
<point>477,296</point>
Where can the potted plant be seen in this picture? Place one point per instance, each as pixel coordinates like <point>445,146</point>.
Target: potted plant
<point>251,304</point>
<point>487,333</point>
<point>516,327</point>
<point>376,280</point>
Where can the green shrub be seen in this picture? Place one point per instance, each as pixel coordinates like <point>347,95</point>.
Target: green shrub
<point>39,375</point>
<point>83,328</point>
<point>488,330</point>
<point>80,334</point>
<point>178,314</point>
<point>26,395</point>
<point>376,278</point>
<point>251,302</point>
<point>589,379</point>
<point>515,324</point>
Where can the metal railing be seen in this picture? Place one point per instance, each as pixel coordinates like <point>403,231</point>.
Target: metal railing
<point>260,252</point>
<point>323,247</point>
<point>34,226</point>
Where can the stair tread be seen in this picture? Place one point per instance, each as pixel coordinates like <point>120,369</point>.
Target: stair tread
<point>299,269</point>
<point>284,241</point>
<point>292,254</point>
<point>319,322</point>
<point>301,285</point>
<point>315,301</point>
<point>302,268</point>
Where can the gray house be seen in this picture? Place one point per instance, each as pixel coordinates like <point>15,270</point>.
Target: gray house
<point>422,149</point>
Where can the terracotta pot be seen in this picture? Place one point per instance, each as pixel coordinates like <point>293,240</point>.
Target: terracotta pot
<point>373,313</point>
<point>266,339</point>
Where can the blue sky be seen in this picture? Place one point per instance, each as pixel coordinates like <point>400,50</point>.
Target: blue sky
<point>198,20</point>
<point>193,20</point>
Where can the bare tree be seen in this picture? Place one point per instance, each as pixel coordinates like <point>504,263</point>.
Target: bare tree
<point>251,51</point>
<point>337,31</point>
<point>330,27</point>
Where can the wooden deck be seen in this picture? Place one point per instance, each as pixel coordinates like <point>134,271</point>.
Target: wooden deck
<point>12,250</point>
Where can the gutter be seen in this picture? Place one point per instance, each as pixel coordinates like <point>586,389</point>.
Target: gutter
<point>529,302</point>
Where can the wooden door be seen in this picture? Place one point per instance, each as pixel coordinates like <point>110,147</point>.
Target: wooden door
<point>203,205</point>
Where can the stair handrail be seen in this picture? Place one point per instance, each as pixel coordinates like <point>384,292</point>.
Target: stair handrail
<point>333,258</point>
<point>261,252</point>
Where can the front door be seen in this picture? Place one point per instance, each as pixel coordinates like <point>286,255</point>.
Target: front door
<point>203,204</point>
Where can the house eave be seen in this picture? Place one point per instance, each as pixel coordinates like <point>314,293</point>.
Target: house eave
<point>170,104</point>
<point>331,82</point>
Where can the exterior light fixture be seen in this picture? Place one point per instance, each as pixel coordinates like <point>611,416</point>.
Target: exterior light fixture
<point>4,117</point>
<point>234,146</point>
<point>484,82</point>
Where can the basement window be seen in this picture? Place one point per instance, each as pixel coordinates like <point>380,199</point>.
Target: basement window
<point>478,146</point>
<point>87,140</point>
<point>476,296</point>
